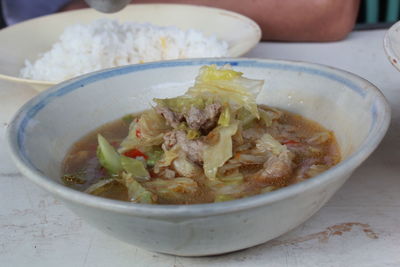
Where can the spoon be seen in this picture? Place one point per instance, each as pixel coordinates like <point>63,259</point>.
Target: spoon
<point>108,6</point>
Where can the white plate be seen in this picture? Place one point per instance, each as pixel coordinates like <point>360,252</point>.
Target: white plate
<point>26,40</point>
<point>391,43</point>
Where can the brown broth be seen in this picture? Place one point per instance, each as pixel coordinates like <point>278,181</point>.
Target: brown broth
<point>82,158</point>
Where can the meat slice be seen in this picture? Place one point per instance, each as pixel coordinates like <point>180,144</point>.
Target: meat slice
<point>192,148</point>
<point>277,170</point>
<point>252,134</point>
<point>204,119</point>
<point>197,119</point>
<point>277,167</point>
<point>173,118</point>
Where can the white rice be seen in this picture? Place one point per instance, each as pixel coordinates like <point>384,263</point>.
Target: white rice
<point>107,43</point>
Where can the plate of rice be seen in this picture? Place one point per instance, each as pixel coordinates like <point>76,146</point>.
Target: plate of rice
<point>45,51</point>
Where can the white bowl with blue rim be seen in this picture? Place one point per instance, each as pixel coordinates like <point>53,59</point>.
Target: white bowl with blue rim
<point>45,128</point>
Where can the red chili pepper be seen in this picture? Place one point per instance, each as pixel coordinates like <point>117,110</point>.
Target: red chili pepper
<point>138,133</point>
<point>134,153</point>
<point>290,142</point>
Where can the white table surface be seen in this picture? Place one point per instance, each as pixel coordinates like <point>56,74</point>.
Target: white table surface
<point>359,226</point>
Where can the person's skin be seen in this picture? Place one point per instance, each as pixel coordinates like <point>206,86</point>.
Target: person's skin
<point>283,20</point>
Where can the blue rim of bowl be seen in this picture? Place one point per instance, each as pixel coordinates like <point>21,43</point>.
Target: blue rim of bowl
<point>16,130</point>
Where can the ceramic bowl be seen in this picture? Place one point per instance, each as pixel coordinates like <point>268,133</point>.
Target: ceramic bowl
<point>240,32</point>
<point>45,128</point>
<point>391,44</point>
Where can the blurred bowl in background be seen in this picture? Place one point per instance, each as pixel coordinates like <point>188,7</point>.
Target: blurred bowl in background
<point>391,44</point>
<point>27,40</point>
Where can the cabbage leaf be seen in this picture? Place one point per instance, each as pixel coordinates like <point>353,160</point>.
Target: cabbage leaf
<point>269,115</point>
<point>154,156</point>
<point>168,157</point>
<point>246,118</point>
<point>268,143</point>
<point>235,177</point>
<point>225,117</point>
<point>101,186</point>
<point>265,117</point>
<point>147,131</point>
<point>136,168</point>
<point>181,104</point>
<point>136,192</point>
<point>175,189</point>
<point>216,155</point>
<point>186,168</point>
<point>108,156</point>
<point>229,86</point>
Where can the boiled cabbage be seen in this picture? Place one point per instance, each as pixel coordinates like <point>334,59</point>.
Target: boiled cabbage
<point>181,104</point>
<point>136,168</point>
<point>216,155</point>
<point>136,192</point>
<point>147,131</point>
<point>108,156</point>
<point>229,86</point>
<point>225,117</point>
<point>268,143</point>
<point>154,156</point>
<point>168,157</point>
<point>186,168</point>
<point>173,189</point>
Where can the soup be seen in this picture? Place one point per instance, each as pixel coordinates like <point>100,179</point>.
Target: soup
<point>212,144</point>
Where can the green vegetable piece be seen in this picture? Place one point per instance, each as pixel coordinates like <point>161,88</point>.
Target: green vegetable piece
<point>225,117</point>
<point>135,167</point>
<point>148,131</point>
<point>246,118</point>
<point>235,178</point>
<point>223,198</point>
<point>101,186</point>
<point>108,156</point>
<point>174,189</point>
<point>265,117</point>
<point>136,192</point>
<point>268,143</point>
<point>212,73</point>
<point>154,157</point>
<point>229,86</point>
<point>192,134</point>
<point>216,155</point>
<point>169,156</point>
<point>181,104</point>
<point>146,197</point>
<point>182,126</point>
